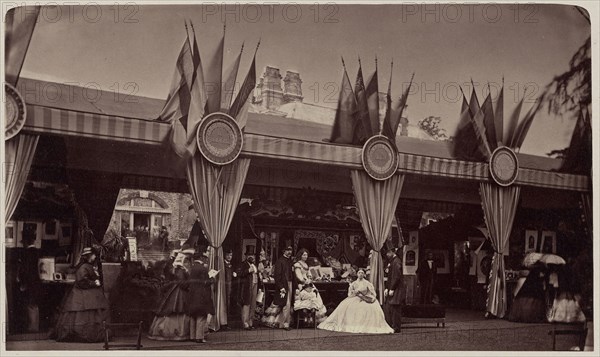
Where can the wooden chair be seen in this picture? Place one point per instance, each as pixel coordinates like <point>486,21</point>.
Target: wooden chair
<point>577,329</point>
<point>107,329</point>
<point>303,314</point>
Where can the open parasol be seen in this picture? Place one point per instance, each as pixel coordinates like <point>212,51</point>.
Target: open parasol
<point>552,259</point>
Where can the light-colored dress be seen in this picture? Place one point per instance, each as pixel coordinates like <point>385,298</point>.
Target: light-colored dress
<point>357,315</point>
<point>305,300</point>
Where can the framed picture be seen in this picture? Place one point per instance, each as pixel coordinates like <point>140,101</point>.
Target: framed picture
<point>531,241</point>
<point>410,260</point>
<point>29,226</point>
<point>132,249</point>
<point>10,234</point>
<point>64,234</point>
<point>548,242</point>
<point>46,268</point>
<point>474,244</point>
<point>50,230</point>
<point>442,261</point>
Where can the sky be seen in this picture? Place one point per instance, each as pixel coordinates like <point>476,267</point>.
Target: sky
<point>444,45</point>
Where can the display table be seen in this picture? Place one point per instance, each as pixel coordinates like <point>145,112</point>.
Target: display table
<point>332,293</point>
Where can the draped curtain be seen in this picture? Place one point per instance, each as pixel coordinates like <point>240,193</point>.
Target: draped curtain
<point>19,156</point>
<point>216,192</point>
<point>376,202</point>
<point>499,208</point>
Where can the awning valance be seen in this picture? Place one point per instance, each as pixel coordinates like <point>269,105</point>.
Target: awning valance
<point>71,123</point>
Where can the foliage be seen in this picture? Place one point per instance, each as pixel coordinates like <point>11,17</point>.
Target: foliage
<point>112,247</point>
<point>431,125</point>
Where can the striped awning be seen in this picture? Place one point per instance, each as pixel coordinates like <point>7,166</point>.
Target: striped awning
<point>71,123</point>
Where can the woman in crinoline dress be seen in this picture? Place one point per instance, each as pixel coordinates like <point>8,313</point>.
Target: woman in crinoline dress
<point>566,307</point>
<point>305,299</point>
<point>171,322</point>
<point>529,304</point>
<point>359,312</point>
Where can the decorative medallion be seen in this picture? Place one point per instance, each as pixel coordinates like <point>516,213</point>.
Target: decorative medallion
<point>380,158</point>
<point>219,138</point>
<point>15,111</point>
<point>504,166</point>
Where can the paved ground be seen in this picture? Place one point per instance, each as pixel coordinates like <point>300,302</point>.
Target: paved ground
<point>464,331</point>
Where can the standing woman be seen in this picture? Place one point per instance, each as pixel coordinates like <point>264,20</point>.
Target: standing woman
<point>199,301</point>
<point>302,277</point>
<point>86,307</point>
<point>249,288</point>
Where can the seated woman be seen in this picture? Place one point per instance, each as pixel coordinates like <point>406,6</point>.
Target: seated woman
<point>359,312</point>
<point>566,307</point>
<point>85,307</point>
<point>302,277</point>
<point>308,298</point>
<point>529,304</point>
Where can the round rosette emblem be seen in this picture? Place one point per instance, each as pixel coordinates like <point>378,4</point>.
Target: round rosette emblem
<point>15,111</point>
<point>219,138</point>
<point>504,166</point>
<point>380,158</point>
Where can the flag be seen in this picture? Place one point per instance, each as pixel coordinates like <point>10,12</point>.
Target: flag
<point>186,99</point>
<point>477,118</point>
<point>397,113</point>
<point>466,146</point>
<point>386,127</point>
<point>228,87</point>
<point>512,125</point>
<point>362,131</point>
<point>524,126</point>
<point>499,116</point>
<point>20,23</point>
<point>372,93</point>
<point>474,102</point>
<point>344,123</point>
<point>489,123</point>
<point>212,77</point>
<point>239,108</point>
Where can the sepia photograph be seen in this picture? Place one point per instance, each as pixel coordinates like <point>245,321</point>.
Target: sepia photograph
<point>267,178</point>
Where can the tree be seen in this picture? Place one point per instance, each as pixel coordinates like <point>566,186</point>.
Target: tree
<point>431,125</point>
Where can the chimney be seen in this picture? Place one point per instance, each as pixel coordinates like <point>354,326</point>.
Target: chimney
<point>293,87</point>
<point>269,87</point>
<point>404,125</point>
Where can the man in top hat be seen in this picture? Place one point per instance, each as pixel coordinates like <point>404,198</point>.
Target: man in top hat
<point>283,283</point>
<point>229,275</point>
<point>427,272</point>
<point>394,291</point>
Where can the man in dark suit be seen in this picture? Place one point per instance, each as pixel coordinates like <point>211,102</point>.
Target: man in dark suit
<point>29,280</point>
<point>427,272</point>
<point>395,291</point>
<point>283,283</point>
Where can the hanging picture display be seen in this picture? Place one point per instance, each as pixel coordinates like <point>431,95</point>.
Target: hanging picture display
<point>34,228</point>
<point>531,241</point>
<point>548,244</point>
<point>410,259</point>
<point>10,234</point>
<point>64,234</point>
<point>51,230</point>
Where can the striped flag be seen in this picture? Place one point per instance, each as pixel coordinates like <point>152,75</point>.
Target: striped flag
<point>362,131</point>
<point>372,93</point>
<point>344,123</point>
<point>20,23</point>
<point>386,127</point>
<point>466,146</point>
<point>397,112</point>
<point>239,108</point>
<point>524,126</point>
<point>512,125</point>
<point>499,116</point>
<point>489,123</point>
<point>228,87</point>
<point>186,99</point>
<point>212,77</point>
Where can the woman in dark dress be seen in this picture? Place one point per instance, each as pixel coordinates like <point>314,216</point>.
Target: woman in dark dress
<point>171,322</point>
<point>86,307</point>
<point>529,304</point>
<point>199,302</point>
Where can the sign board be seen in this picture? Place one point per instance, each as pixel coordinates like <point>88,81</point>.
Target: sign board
<point>132,249</point>
<point>410,259</point>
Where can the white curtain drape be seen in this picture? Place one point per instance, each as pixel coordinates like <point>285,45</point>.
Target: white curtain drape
<point>376,201</point>
<point>499,208</point>
<point>18,158</point>
<point>216,192</point>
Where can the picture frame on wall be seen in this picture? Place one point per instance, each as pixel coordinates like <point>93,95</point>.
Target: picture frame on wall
<point>442,261</point>
<point>10,234</point>
<point>32,226</point>
<point>531,241</point>
<point>51,230</point>
<point>64,234</point>
<point>548,244</point>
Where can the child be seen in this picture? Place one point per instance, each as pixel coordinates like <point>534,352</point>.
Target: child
<point>308,298</point>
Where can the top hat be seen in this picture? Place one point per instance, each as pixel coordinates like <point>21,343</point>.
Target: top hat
<point>86,251</point>
<point>289,247</point>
